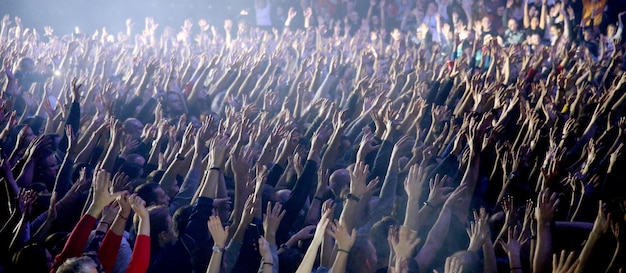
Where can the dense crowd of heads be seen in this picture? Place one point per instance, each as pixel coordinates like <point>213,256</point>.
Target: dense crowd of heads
<point>343,136</point>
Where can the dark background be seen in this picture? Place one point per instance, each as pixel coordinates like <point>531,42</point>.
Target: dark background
<point>90,15</point>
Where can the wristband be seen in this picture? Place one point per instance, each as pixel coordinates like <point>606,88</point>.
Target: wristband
<point>180,157</point>
<point>215,169</point>
<point>284,246</point>
<point>108,224</point>
<point>353,197</point>
<point>343,250</point>
<point>515,268</point>
<point>426,204</point>
<point>319,198</point>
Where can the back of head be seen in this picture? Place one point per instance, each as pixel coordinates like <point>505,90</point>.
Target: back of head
<point>469,260</point>
<point>32,258</point>
<point>77,265</point>
<point>147,192</point>
<point>378,237</point>
<point>181,219</point>
<point>362,256</point>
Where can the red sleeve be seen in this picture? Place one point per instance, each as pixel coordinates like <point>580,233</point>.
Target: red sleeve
<point>559,68</point>
<point>108,250</point>
<point>76,242</point>
<point>531,74</point>
<point>140,260</point>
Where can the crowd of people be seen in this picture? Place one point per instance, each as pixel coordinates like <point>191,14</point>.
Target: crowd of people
<point>336,136</point>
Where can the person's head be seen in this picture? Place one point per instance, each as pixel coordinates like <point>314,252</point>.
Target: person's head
<point>132,168</point>
<point>281,196</point>
<point>136,159</point>
<point>469,260</point>
<point>534,39</point>
<point>37,124</point>
<point>354,16</point>
<point>26,65</point>
<point>556,30</point>
<point>175,103</point>
<point>152,194</point>
<point>378,237</point>
<point>512,24</point>
<point>32,258</point>
<point>486,23</point>
<point>362,257</point>
<point>534,22</point>
<point>161,227</point>
<point>46,166</point>
<point>132,127</point>
<point>588,34</point>
<point>533,11</point>
<point>339,180</point>
<point>81,264</point>
<point>611,29</point>
<point>431,8</point>
<point>181,219</point>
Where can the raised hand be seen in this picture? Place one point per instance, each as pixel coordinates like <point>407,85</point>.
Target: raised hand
<point>414,182</point>
<point>478,232</point>
<point>76,90</point>
<point>563,265</point>
<point>218,232</point>
<point>358,177</point>
<point>438,193</point>
<point>368,145</point>
<point>273,216</point>
<point>514,243</point>
<point>101,194</point>
<point>343,237</point>
<point>403,241</point>
<point>546,206</point>
<point>219,147</point>
<point>603,219</point>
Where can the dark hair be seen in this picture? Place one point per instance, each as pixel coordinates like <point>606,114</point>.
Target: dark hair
<point>378,236</point>
<point>289,261</point>
<point>35,123</point>
<point>158,224</point>
<point>31,258</point>
<point>146,192</point>
<point>155,176</point>
<point>181,219</point>
<point>359,253</point>
<point>89,168</point>
<point>133,170</point>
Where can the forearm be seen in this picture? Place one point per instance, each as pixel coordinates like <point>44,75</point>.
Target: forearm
<point>585,253</point>
<point>341,261</point>
<point>306,266</point>
<point>543,250</point>
<point>215,263</point>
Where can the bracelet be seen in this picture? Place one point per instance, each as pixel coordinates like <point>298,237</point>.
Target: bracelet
<point>343,250</point>
<point>319,198</point>
<point>268,263</point>
<point>353,197</point>
<point>426,204</point>
<point>122,216</point>
<point>284,246</point>
<point>215,169</point>
<point>533,237</point>
<point>108,224</point>
<point>180,157</point>
<point>515,268</point>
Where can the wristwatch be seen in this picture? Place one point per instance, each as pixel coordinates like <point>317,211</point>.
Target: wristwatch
<point>217,249</point>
